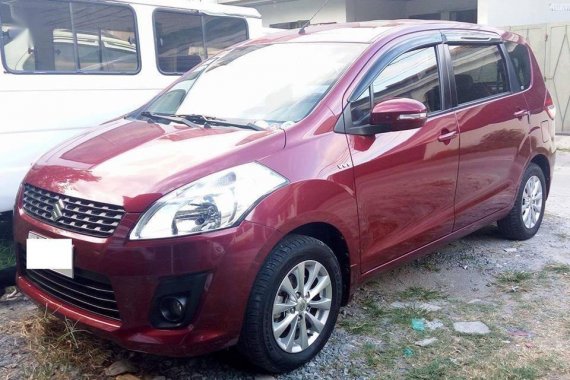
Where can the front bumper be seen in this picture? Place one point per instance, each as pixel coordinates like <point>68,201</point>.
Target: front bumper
<point>230,259</point>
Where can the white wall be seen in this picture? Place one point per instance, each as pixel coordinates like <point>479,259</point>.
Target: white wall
<point>362,10</point>
<point>288,11</point>
<point>521,12</point>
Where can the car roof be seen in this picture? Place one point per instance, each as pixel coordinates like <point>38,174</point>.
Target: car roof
<point>368,32</point>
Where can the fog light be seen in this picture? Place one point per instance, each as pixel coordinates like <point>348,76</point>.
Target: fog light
<point>173,309</point>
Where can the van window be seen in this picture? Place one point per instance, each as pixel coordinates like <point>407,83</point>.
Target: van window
<point>183,40</point>
<point>521,61</point>
<point>179,41</point>
<point>223,32</point>
<point>413,75</point>
<point>57,36</point>
<point>105,38</point>
<point>480,72</point>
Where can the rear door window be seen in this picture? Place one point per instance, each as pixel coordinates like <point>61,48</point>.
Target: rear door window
<point>68,37</point>
<point>480,72</point>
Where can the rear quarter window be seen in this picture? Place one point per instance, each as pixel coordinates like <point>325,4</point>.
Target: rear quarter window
<point>520,57</point>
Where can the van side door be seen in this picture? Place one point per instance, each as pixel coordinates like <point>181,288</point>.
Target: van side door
<point>405,180</point>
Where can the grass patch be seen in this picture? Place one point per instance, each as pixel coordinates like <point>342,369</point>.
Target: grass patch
<point>357,327</point>
<point>421,294</point>
<point>402,316</point>
<point>60,349</point>
<point>558,268</point>
<point>376,317</point>
<point>514,277</point>
<point>371,354</point>
<point>435,369</point>
<point>498,355</point>
<point>405,315</point>
<point>514,281</point>
<point>7,257</point>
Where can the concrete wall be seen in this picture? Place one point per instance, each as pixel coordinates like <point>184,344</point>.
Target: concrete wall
<point>553,55</point>
<point>522,12</point>
<point>364,10</point>
<point>419,7</point>
<point>274,12</point>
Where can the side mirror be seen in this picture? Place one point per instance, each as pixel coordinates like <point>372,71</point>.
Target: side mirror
<point>394,115</point>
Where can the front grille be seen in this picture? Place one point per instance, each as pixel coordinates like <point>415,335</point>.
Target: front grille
<point>74,214</point>
<point>86,290</point>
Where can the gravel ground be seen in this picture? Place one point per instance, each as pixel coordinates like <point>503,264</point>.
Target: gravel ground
<point>471,271</point>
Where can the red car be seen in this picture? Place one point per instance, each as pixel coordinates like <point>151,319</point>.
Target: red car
<point>246,203</point>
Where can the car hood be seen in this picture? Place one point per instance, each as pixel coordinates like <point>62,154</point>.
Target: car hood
<point>133,163</point>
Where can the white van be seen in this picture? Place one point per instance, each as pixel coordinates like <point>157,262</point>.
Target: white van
<point>69,65</point>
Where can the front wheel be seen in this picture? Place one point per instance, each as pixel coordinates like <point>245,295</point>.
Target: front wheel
<point>525,218</point>
<point>293,305</point>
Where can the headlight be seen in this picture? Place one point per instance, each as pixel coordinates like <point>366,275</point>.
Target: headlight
<point>211,203</point>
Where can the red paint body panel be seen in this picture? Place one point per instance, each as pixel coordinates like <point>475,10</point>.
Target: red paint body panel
<point>231,257</point>
<point>391,196</point>
<point>494,148</point>
<point>153,159</point>
<point>405,185</point>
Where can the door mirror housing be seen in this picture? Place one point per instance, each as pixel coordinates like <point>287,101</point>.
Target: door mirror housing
<point>394,115</point>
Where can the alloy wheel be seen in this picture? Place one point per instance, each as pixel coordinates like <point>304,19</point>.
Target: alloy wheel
<point>302,306</point>
<point>531,202</point>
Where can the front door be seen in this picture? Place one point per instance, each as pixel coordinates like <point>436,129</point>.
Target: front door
<point>405,181</point>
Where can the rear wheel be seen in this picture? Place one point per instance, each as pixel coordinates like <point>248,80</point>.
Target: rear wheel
<point>293,305</point>
<point>526,215</point>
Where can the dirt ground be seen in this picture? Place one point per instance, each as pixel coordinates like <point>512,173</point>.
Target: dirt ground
<point>519,290</point>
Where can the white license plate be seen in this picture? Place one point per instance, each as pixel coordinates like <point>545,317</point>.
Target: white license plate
<point>52,254</point>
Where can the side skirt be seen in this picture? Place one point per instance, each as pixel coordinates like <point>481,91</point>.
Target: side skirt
<point>433,245</point>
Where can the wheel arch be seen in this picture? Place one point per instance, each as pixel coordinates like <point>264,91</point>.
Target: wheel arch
<point>333,238</point>
<point>544,165</point>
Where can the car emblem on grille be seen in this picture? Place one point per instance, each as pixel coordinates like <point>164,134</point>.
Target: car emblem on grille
<point>57,211</point>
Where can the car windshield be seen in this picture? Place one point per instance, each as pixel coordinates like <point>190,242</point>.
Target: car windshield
<point>260,84</point>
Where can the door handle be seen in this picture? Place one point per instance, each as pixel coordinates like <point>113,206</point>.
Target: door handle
<point>447,135</point>
<point>522,113</point>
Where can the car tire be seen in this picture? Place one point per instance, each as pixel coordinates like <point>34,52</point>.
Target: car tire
<point>263,340</point>
<point>524,219</point>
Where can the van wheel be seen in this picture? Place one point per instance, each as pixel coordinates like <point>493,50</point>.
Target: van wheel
<point>525,218</point>
<point>293,305</point>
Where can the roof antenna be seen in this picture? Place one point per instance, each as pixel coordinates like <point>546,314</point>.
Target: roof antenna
<point>302,31</point>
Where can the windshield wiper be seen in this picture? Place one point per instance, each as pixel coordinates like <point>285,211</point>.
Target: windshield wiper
<point>176,119</point>
<point>209,120</point>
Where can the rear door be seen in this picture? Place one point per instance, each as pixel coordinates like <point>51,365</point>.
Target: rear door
<point>492,117</point>
<point>405,181</point>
